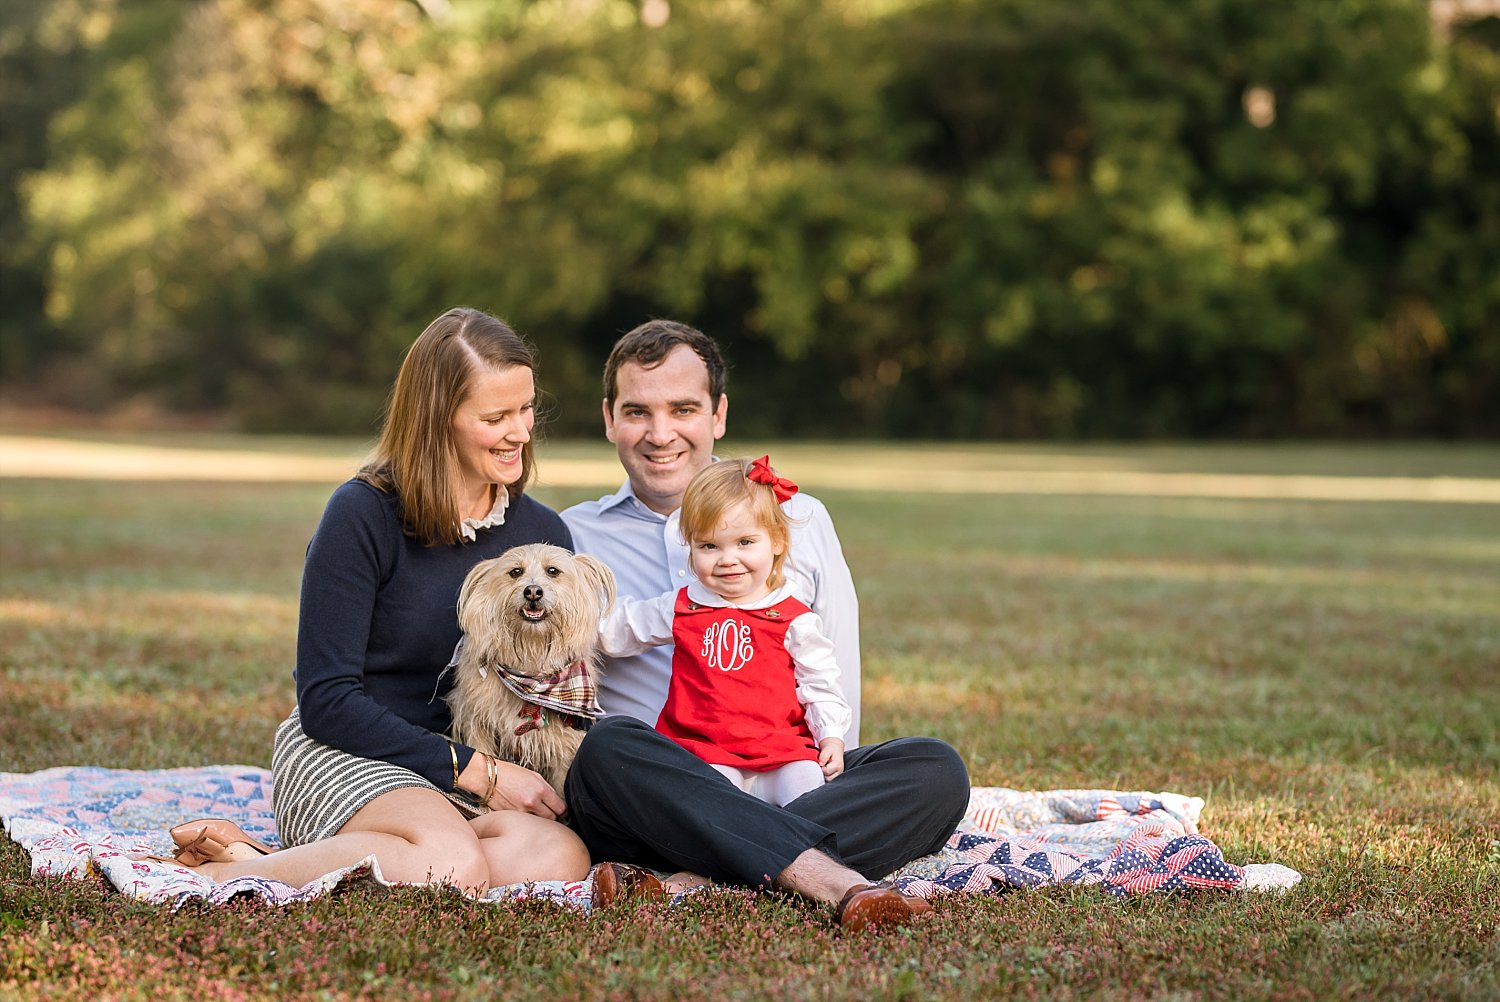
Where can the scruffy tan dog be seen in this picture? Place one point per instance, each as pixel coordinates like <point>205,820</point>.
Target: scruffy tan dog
<point>527,668</point>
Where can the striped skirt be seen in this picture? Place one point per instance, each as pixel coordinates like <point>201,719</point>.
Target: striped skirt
<point>316,789</point>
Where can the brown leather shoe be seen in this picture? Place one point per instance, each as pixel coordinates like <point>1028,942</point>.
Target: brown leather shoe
<point>622,881</point>
<point>878,906</point>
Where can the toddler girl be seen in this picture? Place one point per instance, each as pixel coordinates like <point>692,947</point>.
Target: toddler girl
<point>755,687</point>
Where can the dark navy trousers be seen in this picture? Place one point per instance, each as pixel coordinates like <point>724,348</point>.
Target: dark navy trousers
<point>635,796</point>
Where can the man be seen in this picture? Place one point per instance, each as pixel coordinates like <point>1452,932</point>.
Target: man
<point>635,795</point>
<point>664,427</point>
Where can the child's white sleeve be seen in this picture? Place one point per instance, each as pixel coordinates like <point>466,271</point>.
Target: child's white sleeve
<point>635,624</point>
<point>817,674</point>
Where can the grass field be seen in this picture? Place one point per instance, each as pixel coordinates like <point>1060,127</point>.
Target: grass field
<point>1308,637</point>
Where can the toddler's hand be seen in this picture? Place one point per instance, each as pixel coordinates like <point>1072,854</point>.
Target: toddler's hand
<point>831,757</point>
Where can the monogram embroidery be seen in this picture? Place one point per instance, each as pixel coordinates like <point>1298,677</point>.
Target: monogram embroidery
<point>726,645</point>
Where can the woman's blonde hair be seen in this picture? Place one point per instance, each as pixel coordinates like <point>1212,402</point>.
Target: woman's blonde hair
<point>721,486</point>
<point>415,457</point>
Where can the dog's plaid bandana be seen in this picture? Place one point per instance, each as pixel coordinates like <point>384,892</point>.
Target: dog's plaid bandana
<point>570,690</point>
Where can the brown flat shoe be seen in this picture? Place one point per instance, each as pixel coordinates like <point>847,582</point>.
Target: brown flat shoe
<point>878,906</point>
<point>215,840</point>
<point>622,881</point>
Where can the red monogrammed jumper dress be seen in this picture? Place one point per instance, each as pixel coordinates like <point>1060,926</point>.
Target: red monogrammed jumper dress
<point>733,695</point>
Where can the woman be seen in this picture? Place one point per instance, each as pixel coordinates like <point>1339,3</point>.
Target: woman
<point>362,766</point>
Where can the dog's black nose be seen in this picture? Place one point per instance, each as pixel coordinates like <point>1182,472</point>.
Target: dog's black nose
<point>533,593</point>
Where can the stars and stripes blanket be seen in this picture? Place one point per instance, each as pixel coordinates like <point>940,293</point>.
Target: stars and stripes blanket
<point>90,822</point>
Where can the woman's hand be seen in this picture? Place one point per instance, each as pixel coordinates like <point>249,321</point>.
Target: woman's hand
<point>517,788</point>
<point>831,757</point>
<point>520,789</point>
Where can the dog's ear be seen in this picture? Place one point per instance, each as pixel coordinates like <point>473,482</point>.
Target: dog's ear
<point>601,577</point>
<point>476,574</point>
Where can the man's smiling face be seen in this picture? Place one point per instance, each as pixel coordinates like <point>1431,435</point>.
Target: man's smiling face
<point>664,425</point>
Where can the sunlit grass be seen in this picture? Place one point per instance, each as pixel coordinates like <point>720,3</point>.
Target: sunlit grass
<point>1326,674</point>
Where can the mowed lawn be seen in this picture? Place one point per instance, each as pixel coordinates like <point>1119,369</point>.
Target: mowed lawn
<point>1308,637</point>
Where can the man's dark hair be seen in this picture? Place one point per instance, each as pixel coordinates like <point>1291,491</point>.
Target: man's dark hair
<point>651,342</point>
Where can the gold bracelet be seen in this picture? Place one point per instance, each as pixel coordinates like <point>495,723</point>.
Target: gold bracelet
<point>453,751</point>
<point>491,774</point>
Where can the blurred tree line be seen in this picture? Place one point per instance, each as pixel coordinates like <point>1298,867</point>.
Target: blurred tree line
<point>972,218</point>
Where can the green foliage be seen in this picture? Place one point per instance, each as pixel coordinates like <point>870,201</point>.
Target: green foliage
<point>938,217</point>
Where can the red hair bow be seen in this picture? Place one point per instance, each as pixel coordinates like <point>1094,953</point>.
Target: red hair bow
<point>760,472</point>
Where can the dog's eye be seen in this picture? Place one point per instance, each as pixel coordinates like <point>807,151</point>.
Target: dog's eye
<point>553,572</point>
<point>516,572</point>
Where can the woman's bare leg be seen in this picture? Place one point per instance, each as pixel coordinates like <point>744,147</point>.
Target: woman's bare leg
<point>684,881</point>
<point>416,835</point>
<point>520,847</point>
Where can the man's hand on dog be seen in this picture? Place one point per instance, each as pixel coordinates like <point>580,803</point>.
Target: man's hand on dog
<point>831,757</point>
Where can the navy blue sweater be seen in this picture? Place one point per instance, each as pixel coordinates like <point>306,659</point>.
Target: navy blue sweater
<point>379,621</point>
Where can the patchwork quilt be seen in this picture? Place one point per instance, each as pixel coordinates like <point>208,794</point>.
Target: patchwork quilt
<point>80,822</point>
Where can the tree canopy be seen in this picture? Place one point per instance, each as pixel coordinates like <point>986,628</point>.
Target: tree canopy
<point>969,218</point>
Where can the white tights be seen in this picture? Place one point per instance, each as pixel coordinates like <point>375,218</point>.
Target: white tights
<point>779,786</point>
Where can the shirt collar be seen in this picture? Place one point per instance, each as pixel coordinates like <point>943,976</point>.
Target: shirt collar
<point>619,497</point>
<point>700,593</point>
<point>626,493</point>
<point>469,527</point>
<point>626,497</point>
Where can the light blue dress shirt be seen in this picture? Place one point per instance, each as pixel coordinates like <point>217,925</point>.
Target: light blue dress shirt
<point>648,556</point>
